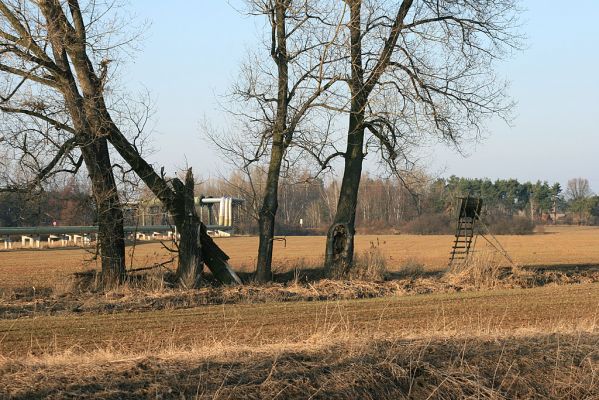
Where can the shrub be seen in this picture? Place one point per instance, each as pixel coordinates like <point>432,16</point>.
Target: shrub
<point>430,224</point>
<point>517,225</point>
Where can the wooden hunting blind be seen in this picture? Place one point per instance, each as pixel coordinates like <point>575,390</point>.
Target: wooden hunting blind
<point>469,209</point>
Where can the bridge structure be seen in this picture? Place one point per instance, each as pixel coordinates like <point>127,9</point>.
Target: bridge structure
<point>62,236</point>
<point>219,221</point>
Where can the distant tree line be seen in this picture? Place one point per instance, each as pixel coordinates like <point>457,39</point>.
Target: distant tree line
<point>67,203</point>
<point>307,205</point>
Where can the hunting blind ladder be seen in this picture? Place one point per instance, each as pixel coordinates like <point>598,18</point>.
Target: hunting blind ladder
<point>465,234</point>
<point>468,214</point>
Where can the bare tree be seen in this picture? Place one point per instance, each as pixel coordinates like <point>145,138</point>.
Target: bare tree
<point>40,83</point>
<point>578,188</point>
<point>420,66</point>
<point>281,97</point>
<point>578,192</point>
<point>70,63</point>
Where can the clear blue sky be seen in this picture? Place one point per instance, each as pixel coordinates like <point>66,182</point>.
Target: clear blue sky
<point>192,50</point>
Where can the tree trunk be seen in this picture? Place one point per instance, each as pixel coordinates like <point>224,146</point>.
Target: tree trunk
<point>266,221</point>
<point>266,225</point>
<point>340,237</point>
<point>339,251</point>
<point>111,237</point>
<point>190,266</point>
<point>196,247</point>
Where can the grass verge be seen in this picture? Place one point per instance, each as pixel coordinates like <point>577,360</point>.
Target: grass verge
<point>481,274</point>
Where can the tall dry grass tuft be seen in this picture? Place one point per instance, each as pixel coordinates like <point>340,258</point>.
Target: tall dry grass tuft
<point>481,270</point>
<point>370,265</point>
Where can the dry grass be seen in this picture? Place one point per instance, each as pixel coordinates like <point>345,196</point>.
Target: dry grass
<point>341,365</point>
<point>154,290</point>
<point>481,270</point>
<point>410,269</point>
<point>502,344</point>
<point>370,265</point>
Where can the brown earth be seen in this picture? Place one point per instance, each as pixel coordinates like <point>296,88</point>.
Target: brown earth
<point>516,344</point>
<point>550,308</point>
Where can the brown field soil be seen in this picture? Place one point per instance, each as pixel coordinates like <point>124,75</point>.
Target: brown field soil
<point>550,308</point>
<point>562,245</point>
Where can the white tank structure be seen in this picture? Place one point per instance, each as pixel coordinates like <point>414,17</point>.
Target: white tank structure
<point>225,212</point>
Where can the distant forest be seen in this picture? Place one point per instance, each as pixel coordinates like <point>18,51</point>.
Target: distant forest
<point>306,205</point>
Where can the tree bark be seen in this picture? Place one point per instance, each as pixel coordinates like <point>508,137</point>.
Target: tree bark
<point>111,237</point>
<point>340,237</point>
<point>266,221</point>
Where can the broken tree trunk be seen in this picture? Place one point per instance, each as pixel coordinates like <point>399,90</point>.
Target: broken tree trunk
<point>216,259</point>
<point>196,247</point>
<point>211,254</point>
<point>190,266</point>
